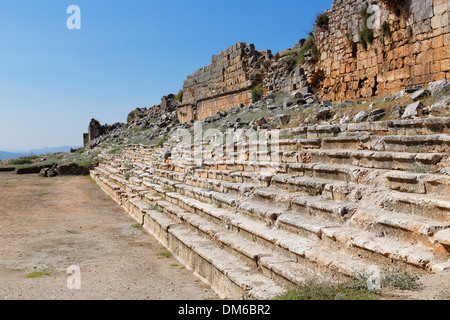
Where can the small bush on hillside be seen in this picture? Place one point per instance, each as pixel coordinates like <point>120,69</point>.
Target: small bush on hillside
<point>257,92</point>
<point>322,20</point>
<point>23,161</point>
<point>297,58</point>
<point>366,34</point>
<point>179,96</point>
<point>131,116</point>
<point>161,142</point>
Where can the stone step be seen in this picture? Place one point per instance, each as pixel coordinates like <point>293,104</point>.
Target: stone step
<point>258,230</point>
<point>283,270</point>
<point>245,226</point>
<point>417,144</point>
<point>435,207</point>
<point>206,256</point>
<point>325,211</point>
<point>437,143</point>
<point>419,183</point>
<point>372,159</point>
<point>407,227</point>
<point>425,126</point>
<point>228,275</point>
<point>328,189</point>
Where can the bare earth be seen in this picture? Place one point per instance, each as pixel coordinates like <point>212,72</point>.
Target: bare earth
<point>49,224</point>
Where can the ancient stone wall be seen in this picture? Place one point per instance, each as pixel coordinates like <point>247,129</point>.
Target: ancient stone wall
<point>404,48</point>
<point>410,48</point>
<point>222,85</point>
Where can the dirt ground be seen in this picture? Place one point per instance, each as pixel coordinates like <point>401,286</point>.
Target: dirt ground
<point>50,224</point>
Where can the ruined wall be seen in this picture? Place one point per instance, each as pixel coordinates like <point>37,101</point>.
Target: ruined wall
<point>407,49</point>
<point>222,85</point>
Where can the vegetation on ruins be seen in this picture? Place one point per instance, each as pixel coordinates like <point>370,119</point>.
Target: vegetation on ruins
<point>161,142</point>
<point>164,255</point>
<point>297,57</point>
<point>366,36</point>
<point>179,96</point>
<point>257,92</point>
<point>356,288</point>
<point>131,116</point>
<point>322,20</point>
<point>38,274</point>
<point>23,161</point>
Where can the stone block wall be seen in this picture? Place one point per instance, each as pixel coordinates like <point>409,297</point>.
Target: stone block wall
<point>408,49</point>
<point>222,85</point>
<point>414,51</point>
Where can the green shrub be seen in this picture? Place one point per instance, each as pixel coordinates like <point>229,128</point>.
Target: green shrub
<point>366,34</point>
<point>161,142</point>
<point>399,280</point>
<point>164,255</point>
<point>257,92</point>
<point>131,116</point>
<point>308,45</point>
<point>22,161</point>
<point>322,20</point>
<point>323,291</point>
<point>179,96</point>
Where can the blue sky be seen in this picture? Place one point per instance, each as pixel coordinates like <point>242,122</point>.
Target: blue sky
<point>127,54</point>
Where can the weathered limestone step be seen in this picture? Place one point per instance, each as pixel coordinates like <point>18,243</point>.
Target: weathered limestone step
<point>397,180</point>
<point>372,248</point>
<point>278,240</point>
<point>285,272</point>
<point>425,143</point>
<point>370,159</point>
<point>326,189</point>
<point>223,271</point>
<point>419,183</point>
<point>228,275</point>
<point>407,227</point>
<point>246,277</point>
<point>344,173</point>
<point>430,125</point>
<point>436,207</point>
<point>182,181</point>
<point>371,244</point>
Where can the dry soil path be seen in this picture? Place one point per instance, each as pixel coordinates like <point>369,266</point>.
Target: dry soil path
<point>50,224</point>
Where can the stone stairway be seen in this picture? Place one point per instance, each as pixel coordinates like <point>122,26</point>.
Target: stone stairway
<point>328,201</point>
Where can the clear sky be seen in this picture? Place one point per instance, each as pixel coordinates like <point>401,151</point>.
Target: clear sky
<point>127,54</point>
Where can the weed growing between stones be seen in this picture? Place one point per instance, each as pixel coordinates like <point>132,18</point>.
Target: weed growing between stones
<point>164,255</point>
<point>38,274</point>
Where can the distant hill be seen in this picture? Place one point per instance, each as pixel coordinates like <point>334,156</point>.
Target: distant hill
<point>10,155</point>
<point>36,152</point>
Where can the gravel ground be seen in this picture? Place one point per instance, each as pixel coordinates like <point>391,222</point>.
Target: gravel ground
<point>50,224</point>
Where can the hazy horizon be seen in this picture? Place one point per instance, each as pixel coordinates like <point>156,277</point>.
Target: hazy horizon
<point>126,55</point>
